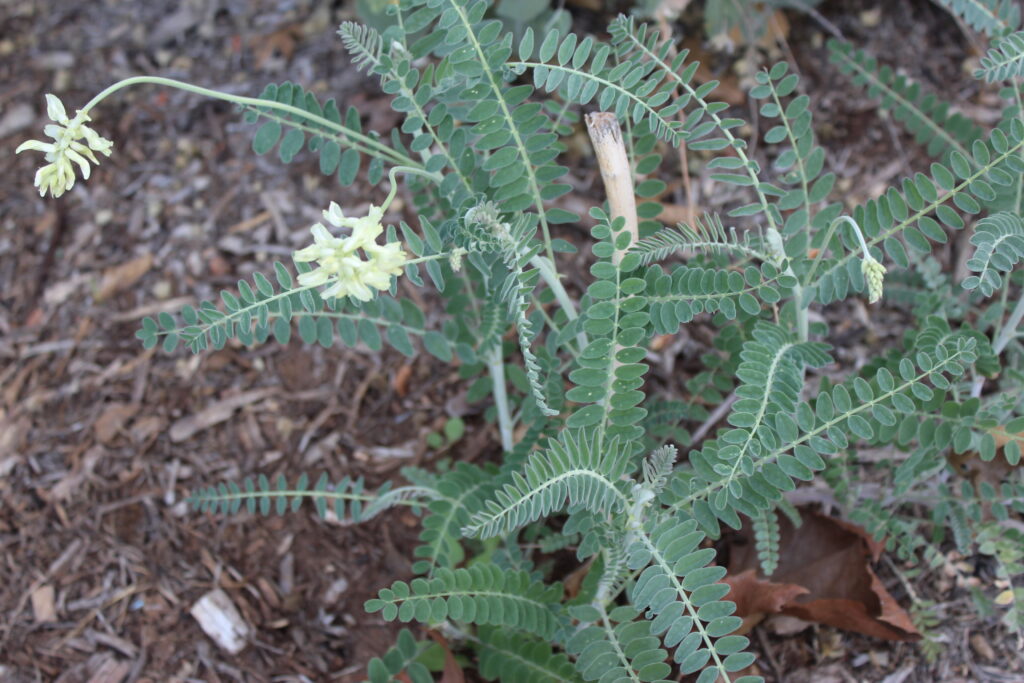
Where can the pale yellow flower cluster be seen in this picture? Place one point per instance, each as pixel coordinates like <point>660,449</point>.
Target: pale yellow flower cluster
<point>339,261</point>
<point>874,276</point>
<point>65,151</point>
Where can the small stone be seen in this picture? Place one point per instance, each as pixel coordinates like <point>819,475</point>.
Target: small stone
<point>219,619</point>
<point>43,607</point>
<point>162,289</point>
<point>335,590</point>
<point>871,18</point>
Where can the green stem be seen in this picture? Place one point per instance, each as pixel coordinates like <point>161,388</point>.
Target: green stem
<point>496,366</point>
<point>547,271</point>
<point>379,147</point>
<point>1001,339</point>
<point>828,237</point>
<point>431,257</point>
<point>1020,117</point>
<point>613,639</point>
<point>1010,328</point>
<point>395,170</point>
<point>554,326</point>
<point>550,275</point>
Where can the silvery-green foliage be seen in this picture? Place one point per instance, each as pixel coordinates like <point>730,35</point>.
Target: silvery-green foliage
<point>993,17</point>
<point>1004,60</point>
<point>999,245</point>
<point>400,662</point>
<point>766,537</point>
<point>511,656</point>
<point>485,108</point>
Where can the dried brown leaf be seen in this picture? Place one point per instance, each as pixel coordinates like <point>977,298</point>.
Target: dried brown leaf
<point>824,576</point>
<point>756,598</point>
<point>112,421</point>
<point>123,276</point>
<point>452,672</point>
<point>72,481</point>
<point>215,413</point>
<point>400,382</point>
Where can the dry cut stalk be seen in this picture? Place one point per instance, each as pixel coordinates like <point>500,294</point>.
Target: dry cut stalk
<point>606,137</point>
<point>617,174</point>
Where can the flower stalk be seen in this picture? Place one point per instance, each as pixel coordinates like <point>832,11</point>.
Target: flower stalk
<point>873,271</point>
<point>75,143</point>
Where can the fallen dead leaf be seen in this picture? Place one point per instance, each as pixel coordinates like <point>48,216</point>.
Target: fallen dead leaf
<point>122,276</point>
<point>215,413</point>
<point>13,431</point>
<point>401,380</point>
<point>45,223</point>
<point>281,42</point>
<point>824,576</point>
<point>661,341</point>
<point>217,265</point>
<point>146,427</point>
<point>993,472</point>
<point>111,670</point>
<point>783,625</point>
<point>70,482</point>
<point>452,672</point>
<point>678,213</point>
<point>112,420</point>
<point>981,645</point>
<point>574,582</point>
<point>34,318</point>
<point>1003,437</point>
<point>756,598</point>
<point>59,292</point>
<point>728,89</point>
<point>871,18</point>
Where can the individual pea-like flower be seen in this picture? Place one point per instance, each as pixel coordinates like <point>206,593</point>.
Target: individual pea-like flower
<point>388,258</point>
<point>874,276</point>
<point>58,176</point>
<point>339,261</point>
<point>365,230</point>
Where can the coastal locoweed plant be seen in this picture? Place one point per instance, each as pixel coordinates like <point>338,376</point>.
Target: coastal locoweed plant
<point>584,464</point>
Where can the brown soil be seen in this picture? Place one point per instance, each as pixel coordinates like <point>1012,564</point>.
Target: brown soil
<point>100,441</point>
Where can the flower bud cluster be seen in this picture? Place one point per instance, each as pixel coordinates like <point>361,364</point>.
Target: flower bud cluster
<point>874,276</point>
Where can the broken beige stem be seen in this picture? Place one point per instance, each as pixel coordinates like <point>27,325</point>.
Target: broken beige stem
<point>606,136</point>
